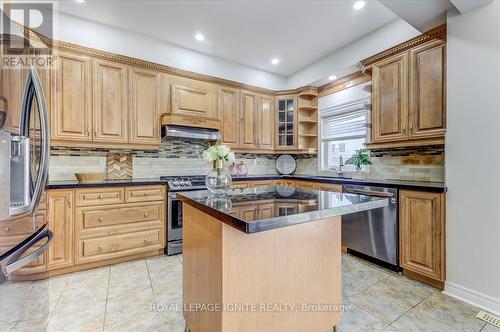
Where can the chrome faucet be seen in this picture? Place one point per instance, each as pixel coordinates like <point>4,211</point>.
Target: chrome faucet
<point>339,170</point>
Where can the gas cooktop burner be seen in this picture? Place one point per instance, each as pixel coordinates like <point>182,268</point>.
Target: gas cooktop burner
<point>193,182</point>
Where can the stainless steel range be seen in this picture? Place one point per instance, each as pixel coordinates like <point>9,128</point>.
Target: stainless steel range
<point>174,208</point>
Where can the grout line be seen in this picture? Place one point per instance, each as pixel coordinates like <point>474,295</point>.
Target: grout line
<point>409,310</point>
<point>107,294</point>
<point>57,302</point>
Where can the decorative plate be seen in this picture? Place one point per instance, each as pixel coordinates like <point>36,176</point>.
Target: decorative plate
<point>286,164</point>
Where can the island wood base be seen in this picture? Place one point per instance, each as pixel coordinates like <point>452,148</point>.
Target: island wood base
<point>298,265</point>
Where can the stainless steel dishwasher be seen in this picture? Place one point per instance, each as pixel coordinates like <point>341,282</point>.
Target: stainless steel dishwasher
<point>374,233</point>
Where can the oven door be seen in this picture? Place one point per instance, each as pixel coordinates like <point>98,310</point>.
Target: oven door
<point>174,227</point>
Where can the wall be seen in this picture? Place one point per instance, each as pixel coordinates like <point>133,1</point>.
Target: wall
<point>343,61</point>
<point>175,157</point>
<point>472,157</point>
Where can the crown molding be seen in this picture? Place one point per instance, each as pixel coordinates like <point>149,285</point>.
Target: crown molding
<point>83,50</point>
<point>343,83</point>
<point>436,33</point>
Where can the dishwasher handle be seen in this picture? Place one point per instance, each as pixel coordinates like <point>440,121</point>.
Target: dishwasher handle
<point>368,192</point>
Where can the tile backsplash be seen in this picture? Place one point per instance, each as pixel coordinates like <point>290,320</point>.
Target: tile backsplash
<point>410,164</point>
<point>175,157</point>
<point>183,157</point>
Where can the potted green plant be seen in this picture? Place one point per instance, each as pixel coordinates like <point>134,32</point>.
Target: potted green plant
<point>360,158</point>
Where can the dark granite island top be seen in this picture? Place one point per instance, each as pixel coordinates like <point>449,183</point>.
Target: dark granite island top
<point>260,209</point>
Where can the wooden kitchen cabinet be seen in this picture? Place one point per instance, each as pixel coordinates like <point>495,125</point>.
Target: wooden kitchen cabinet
<point>144,106</point>
<point>71,112</point>
<point>248,120</point>
<point>427,88</point>
<point>305,184</point>
<point>110,111</point>
<point>390,99</point>
<point>265,122</point>
<point>409,97</point>
<point>193,99</point>
<point>286,123</point>
<point>60,222</point>
<point>330,187</point>
<point>261,183</point>
<point>229,108</point>
<point>422,236</point>
<point>240,185</point>
<point>12,96</point>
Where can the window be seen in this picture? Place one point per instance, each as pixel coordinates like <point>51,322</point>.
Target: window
<point>342,132</point>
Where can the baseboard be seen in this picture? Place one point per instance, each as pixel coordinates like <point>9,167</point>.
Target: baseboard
<point>483,301</point>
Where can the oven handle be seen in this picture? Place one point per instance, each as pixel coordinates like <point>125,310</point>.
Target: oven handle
<point>368,192</point>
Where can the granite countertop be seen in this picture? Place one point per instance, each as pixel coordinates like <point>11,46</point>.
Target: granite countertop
<point>400,184</point>
<point>299,206</point>
<point>68,184</point>
<point>425,186</point>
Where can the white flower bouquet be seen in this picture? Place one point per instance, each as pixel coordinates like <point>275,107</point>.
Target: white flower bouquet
<point>218,152</point>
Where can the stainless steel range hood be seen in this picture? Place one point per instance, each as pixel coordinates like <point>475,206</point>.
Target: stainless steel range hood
<point>190,132</point>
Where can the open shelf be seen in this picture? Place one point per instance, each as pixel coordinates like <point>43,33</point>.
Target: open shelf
<point>308,108</point>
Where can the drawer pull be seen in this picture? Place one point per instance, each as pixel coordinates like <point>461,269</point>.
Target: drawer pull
<point>7,229</point>
<point>101,219</point>
<point>146,240</point>
<point>99,247</point>
<point>145,214</point>
<point>100,197</point>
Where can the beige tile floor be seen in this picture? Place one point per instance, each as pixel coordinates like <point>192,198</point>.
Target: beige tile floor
<point>121,298</point>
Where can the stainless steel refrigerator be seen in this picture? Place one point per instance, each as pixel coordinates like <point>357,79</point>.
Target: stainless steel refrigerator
<point>24,161</point>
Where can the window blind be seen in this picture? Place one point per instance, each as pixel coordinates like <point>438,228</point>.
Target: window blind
<point>344,125</point>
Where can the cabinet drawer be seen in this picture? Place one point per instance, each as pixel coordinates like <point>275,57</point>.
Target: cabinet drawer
<point>91,219</point>
<point>21,225</point>
<point>240,185</point>
<point>99,196</point>
<point>261,183</point>
<point>330,187</point>
<point>305,184</point>
<point>145,194</point>
<point>108,247</point>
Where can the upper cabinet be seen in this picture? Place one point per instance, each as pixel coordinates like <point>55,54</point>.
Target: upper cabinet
<point>248,120</point>
<point>71,112</point>
<point>110,102</point>
<point>265,122</point>
<point>193,98</point>
<point>409,92</point>
<point>428,90</point>
<point>144,106</point>
<point>229,111</point>
<point>286,119</point>
<point>104,103</point>
<point>389,99</point>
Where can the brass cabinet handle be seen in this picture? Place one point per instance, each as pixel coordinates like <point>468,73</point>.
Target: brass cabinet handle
<point>99,247</point>
<point>7,229</point>
<point>146,240</point>
<point>100,197</point>
<point>145,214</point>
<point>411,127</point>
<point>101,219</point>
<point>404,128</point>
<point>69,203</point>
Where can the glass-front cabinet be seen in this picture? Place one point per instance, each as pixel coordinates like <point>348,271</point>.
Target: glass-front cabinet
<point>286,123</point>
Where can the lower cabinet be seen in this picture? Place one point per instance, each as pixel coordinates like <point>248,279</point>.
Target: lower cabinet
<point>422,236</point>
<point>60,222</point>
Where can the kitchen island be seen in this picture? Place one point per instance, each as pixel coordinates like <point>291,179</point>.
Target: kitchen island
<point>265,259</point>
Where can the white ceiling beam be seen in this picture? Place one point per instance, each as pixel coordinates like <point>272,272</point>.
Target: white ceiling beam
<point>422,15</point>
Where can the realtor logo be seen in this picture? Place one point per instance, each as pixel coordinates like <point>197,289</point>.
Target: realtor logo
<point>20,46</point>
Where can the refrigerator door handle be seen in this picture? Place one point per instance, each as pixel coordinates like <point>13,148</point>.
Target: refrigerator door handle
<point>33,88</point>
<point>13,262</point>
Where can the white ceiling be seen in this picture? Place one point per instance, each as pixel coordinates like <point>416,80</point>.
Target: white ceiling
<point>247,32</point>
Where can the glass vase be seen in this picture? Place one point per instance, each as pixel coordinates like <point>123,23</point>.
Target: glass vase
<point>218,180</point>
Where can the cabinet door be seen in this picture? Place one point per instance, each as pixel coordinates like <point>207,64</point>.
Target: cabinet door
<point>266,122</point>
<point>60,222</point>
<point>390,99</point>
<point>71,114</point>
<point>229,108</point>
<point>286,123</point>
<point>248,120</point>
<point>144,106</point>
<point>12,96</point>
<point>110,102</point>
<point>422,233</point>
<point>193,99</point>
<point>265,211</point>
<point>428,90</point>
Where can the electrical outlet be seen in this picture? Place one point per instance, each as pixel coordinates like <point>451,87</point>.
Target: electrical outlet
<point>489,318</point>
